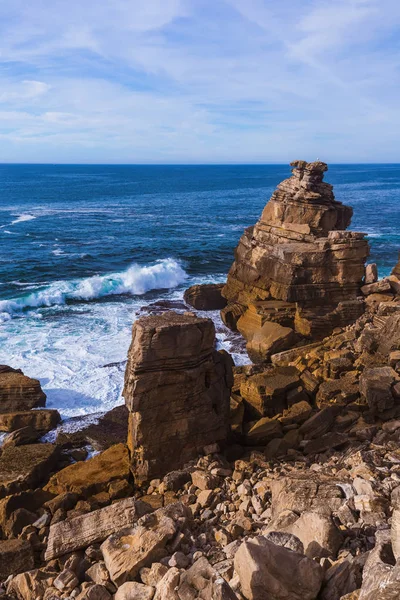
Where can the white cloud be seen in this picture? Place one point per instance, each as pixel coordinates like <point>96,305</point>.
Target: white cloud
<point>190,80</point>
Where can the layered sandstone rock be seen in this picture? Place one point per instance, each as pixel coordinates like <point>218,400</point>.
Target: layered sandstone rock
<point>18,392</point>
<point>296,268</point>
<point>177,390</point>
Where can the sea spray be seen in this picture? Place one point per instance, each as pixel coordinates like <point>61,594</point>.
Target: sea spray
<point>136,280</point>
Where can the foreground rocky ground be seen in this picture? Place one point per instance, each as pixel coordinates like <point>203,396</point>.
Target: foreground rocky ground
<point>284,478</point>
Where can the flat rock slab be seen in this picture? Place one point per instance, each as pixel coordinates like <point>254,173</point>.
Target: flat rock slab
<point>16,556</point>
<point>24,467</point>
<point>93,475</point>
<point>94,527</point>
<point>41,420</point>
<point>19,392</point>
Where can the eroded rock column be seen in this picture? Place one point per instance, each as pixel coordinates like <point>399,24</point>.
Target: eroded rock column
<point>297,272</point>
<point>177,389</point>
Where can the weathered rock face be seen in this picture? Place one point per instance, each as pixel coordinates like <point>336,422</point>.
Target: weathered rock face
<point>269,571</point>
<point>18,392</point>
<point>177,390</point>
<point>297,267</point>
<point>40,420</point>
<point>24,467</point>
<point>80,532</point>
<point>94,475</point>
<point>205,297</point>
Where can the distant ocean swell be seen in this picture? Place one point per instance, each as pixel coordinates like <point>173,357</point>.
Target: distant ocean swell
<point>136,280</point>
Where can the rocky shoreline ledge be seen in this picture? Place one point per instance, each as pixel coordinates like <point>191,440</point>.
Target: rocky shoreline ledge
<point>277,480</point>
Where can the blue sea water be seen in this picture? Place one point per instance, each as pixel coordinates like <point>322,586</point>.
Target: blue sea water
<point>83,248</point>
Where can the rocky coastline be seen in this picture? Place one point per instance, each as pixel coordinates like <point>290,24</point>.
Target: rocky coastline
<point>276,480</point>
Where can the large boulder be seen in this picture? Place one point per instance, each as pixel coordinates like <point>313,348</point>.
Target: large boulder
<point>19,392</point>
<point>177,389</point>
<point>205,297</point>
<point>31,585</point>
<point>94,527</point>
<point>132,548</point>
<point>265,394</point>
<point>24,467</point>
<point>94,475</point>
<point>381,574</point>
<point>267,570</point>
<point>376,386</point>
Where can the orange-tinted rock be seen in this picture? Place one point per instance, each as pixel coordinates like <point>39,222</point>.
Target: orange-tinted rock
<point>24,467</point>
<point>19,392</point>
<point>177,388</point>
<point>40,420</point>
<point>299,253</point>
<point>93,475</point>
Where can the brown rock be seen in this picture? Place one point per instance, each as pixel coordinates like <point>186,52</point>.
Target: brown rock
<point>269,571</point>
<point>379,287</point>
<point>126,552</point>
<point>16,556</point>
<point>96,526</point>
<point>376,387</point>
<point>205,297</point>
<point>299,253</point>
<point>24,467</point>
<point>317,532</point>
<point>263,431</point>
<point>131,590</point>
<point>40,420</point>
<point>20,437</point>
<point>325,442</point>
<point>177,388</point>
<point>19,392</point>
<point>300,493</point>
<point>371,273</point>
<point>381,580</point>
<point>297,413</point>
<point>265,393</point>
<point>93,475</point>
<point>32,584</point>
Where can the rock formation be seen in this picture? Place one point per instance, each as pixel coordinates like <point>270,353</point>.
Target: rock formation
<point>177,390</point>
<point>297,272</point>
<point>205,296</point>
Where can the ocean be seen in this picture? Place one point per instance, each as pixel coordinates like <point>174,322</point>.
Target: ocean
<point>85,249</point>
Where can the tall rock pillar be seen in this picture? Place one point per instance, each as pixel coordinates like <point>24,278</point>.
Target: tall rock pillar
<point>177,390</point>
<point>297,272</point>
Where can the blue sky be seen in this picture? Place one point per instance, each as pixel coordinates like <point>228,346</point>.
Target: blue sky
<point>199,81</point>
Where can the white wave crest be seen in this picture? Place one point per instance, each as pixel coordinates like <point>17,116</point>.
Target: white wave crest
<point>22,218</point>
<point>136,280</point>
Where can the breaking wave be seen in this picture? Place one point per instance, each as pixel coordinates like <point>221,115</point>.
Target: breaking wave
<point>136,280</point>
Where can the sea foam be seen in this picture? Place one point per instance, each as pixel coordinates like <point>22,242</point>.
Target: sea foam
<point>22,218</point>
<point>136,280</point>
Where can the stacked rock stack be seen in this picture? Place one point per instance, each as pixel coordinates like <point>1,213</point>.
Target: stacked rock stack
<point>177,389</point>
<point>297,272</point>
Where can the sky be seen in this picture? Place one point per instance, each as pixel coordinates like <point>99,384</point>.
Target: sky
<point>199,81</point>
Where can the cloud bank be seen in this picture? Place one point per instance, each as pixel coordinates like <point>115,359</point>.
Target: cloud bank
<point>187,81</point>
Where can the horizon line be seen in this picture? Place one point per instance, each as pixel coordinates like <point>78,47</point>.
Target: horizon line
<point>179,164</point>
